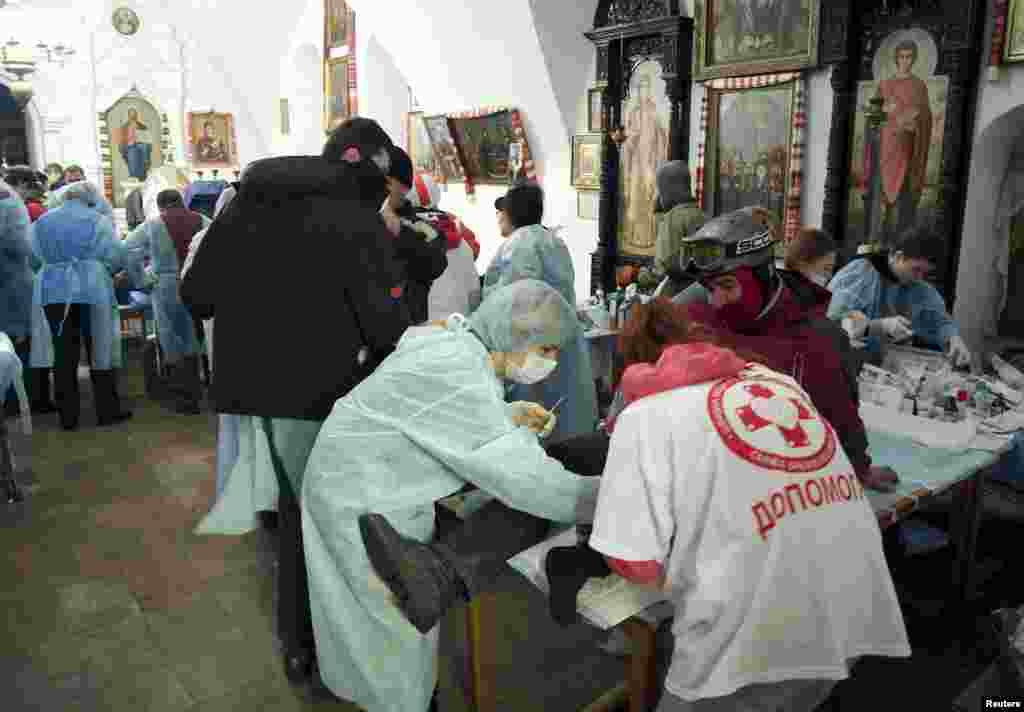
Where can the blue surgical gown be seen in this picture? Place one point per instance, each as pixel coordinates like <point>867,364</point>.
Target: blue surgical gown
<point>175,329</point>
<point>534,252</point>
<point>860,286</point>
<point>80,254</point>
<point>430,419</point>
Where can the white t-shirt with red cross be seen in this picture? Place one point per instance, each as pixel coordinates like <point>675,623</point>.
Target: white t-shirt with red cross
<point>772,554</point>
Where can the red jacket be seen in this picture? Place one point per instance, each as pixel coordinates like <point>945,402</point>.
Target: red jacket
<point>789,341</point>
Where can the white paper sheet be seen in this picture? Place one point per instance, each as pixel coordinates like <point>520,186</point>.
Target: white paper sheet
<point>604,602</point>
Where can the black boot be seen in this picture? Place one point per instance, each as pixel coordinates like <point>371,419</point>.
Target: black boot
<point>185,385</point>
<point>108,402</point>
<point>424,577</point>
<point>299,664</point>
<point>567,569</point>
<point>39,391</point>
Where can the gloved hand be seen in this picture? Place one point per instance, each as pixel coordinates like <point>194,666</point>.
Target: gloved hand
<point>958,352</point>
<point>896,328</point>
<point>855,323</point>
<point>533,416</point>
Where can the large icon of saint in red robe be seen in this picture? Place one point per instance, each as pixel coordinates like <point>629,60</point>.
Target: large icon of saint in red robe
<point>905,141</point>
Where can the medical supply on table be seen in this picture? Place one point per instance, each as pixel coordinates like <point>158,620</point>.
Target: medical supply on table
<point>1009,375</point>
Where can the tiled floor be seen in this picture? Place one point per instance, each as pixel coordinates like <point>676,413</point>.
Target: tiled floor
<point>109,602</point>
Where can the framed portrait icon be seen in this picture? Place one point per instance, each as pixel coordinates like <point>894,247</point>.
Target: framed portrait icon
<point>745,37</point>
<point>586,161</point>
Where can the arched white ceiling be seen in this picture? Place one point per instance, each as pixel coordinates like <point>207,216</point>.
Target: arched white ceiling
<point>529,53</point>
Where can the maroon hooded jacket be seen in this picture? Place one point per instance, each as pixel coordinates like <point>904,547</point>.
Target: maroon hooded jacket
<point>795,339</point>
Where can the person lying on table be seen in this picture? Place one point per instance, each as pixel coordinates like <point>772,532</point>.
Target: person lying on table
<point>890,290</point>
<point>726,488</point>
<point>430,419</point>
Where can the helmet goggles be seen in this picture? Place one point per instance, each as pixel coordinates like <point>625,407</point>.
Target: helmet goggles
<point>711,255</point>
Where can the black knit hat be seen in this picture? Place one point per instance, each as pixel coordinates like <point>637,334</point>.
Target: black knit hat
<point>524,205</point>
<point>401,166</point>
<point>358,132</point>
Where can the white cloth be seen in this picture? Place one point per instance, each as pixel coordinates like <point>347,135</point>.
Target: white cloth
<point>755,603</point>
<point>11,375</point>
<point>457,290</point>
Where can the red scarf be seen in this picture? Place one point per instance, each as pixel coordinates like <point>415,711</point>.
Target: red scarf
<point>182,224</point>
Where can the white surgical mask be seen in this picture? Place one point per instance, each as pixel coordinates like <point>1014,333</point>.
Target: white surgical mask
<point>534,370</point>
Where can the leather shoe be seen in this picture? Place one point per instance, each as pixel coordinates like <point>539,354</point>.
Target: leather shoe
<point>298,665</point>
<point>422,577</point>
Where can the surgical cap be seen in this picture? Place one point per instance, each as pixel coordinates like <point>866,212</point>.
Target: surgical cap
<point>84,192</point>
<point>523,315</point>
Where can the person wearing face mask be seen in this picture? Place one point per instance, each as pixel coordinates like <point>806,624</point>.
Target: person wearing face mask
<point>531,251</point>
<point>732,257</point>
<point>812,253</point>
<point>319,256</point>
<point>430,420</point>
<point>889,288</point>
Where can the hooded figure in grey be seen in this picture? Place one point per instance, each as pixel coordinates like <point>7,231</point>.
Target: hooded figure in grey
<point>679,216</point>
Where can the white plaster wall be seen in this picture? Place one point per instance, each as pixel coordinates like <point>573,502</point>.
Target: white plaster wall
<point>464,58</point>
<point>231,63</point>
<point>300,75</point>
<point>999,125</point>
<point>383,91</point>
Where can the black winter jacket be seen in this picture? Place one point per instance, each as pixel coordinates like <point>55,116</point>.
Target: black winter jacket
<point>423,260</point>
<point>301,274</point>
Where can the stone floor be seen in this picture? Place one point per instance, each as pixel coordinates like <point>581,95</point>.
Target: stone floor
<point>108,601</point>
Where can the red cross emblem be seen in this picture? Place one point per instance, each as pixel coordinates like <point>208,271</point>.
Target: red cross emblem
<point>744,410</point>
<point>794,436</point>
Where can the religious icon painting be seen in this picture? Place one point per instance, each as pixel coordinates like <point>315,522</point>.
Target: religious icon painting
<point>445,151</point>
<point>133,143</point>
<point>211,140</point>
<point>418,144</point>
<point>896,159</point>
<point>125,21</point>
<point>485,142</point>
<point>337,106</point>
<point>338,25</point>
<point>586,161</point>
<point>745,37</point>
<point>647,117</point>
<point>1013,44</point>
<point>753,137</point>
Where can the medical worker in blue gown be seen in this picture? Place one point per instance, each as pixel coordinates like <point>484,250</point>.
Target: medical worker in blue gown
<point>164,241</point>
<point>531,251</point>
<point>76,242</point>
<point>429,420</point>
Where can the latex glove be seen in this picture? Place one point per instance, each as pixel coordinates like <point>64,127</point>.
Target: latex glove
<point>896,328</point>
<point>534,416</point>
<point>882,479</point>
<point>855,323</point>
<point>958,352</point>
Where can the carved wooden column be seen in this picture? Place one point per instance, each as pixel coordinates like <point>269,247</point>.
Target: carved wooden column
<point>837,179</point>
<point>678,51</point>
<point>837,42</point>
<point>962,64</point>
<point>602,264</point>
